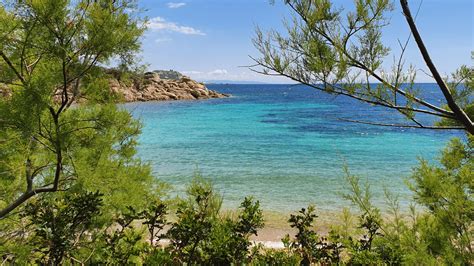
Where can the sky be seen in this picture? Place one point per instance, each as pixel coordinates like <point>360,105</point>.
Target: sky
<point>212,39</point>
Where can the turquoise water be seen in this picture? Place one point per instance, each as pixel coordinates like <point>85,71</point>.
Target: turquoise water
<point>282,144</point>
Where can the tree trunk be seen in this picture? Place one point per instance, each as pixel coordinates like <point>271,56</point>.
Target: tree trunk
<point>461,116</point>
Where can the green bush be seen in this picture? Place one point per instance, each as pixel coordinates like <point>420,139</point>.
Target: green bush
<point>441,233</point>
<point>201,236</point>
<point>71,227</point>
<point>61,225</point>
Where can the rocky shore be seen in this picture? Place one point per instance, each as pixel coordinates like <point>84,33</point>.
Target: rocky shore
<point>152,87</point>
<point>162,85</point>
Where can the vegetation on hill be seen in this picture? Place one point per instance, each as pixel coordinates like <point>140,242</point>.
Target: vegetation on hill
<point>168,74</point>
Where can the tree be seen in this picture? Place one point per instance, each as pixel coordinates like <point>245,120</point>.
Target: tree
<point>50,55</point>
<point>446,190</point>
<point>440,234</point>
<point>342,53</point>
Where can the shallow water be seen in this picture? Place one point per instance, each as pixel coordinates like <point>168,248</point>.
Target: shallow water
<point>282,144</point>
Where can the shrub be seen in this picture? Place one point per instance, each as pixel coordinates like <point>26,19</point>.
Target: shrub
<point>61,225</point>
<point>202,236</point>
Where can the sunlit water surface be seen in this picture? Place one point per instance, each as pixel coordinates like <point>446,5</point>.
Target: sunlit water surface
<point>283,144</point>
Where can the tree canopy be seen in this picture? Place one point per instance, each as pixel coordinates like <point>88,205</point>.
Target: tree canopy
<point>50,55</point>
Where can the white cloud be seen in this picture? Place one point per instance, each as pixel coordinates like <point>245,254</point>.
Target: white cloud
<point>234,75</point>
<point>218,72</point>
<point>159,23</point>
<point>175,5</point>
<point>164,39</point>
<point>191,72</point>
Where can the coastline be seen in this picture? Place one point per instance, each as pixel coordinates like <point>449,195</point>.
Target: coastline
<point>156,86</point>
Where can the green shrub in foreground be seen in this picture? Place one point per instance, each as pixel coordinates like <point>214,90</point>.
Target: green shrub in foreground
<point>69,227</point>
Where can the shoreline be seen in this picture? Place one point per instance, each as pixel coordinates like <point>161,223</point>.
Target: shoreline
<point>277,226</point>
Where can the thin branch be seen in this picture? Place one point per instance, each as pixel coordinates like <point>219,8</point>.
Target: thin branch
<point>360,65</point>
<point>12,67</point>
<point>24,197</point>
<point>400,125</point>
<point>341,92</point>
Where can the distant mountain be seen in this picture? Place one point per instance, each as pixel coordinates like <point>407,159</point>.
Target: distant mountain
<point>232,82</point>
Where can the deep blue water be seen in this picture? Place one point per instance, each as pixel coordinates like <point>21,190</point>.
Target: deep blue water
<point>283,144</point>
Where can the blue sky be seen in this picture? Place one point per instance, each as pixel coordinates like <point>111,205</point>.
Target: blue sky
<point>211,39</point>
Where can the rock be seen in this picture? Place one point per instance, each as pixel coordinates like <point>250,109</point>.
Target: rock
<point>196,94</point>
<point>186,79</point>
<point>162,86</point>
<point>150,87</point>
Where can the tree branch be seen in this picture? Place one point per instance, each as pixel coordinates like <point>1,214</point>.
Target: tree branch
<point>400,125</point>
<point>24,197</point>
<point>360,65</point>
<point>12,67</point>
<point>459,113</point>
<point>341,92</point>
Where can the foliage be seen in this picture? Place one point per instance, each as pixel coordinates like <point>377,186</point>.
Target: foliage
<point>340,51</point>
<point>309,246</point>
<point>440,234</point>
<point>61,132</point>
<point>49,53</point>
<point>201,236</point>
<point>68,227</point>
<point>275,257</point>
<point>306,241</point>
<point>154,218</point>
<point>122,245</point>
<point>60,225</point>
<point>52,137</point>
<point>446,192</point>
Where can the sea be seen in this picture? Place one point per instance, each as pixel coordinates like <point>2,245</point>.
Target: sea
<point>285,145</point>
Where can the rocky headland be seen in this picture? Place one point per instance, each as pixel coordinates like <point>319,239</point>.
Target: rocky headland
<point>159,85</point>
<point>162,86</point>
